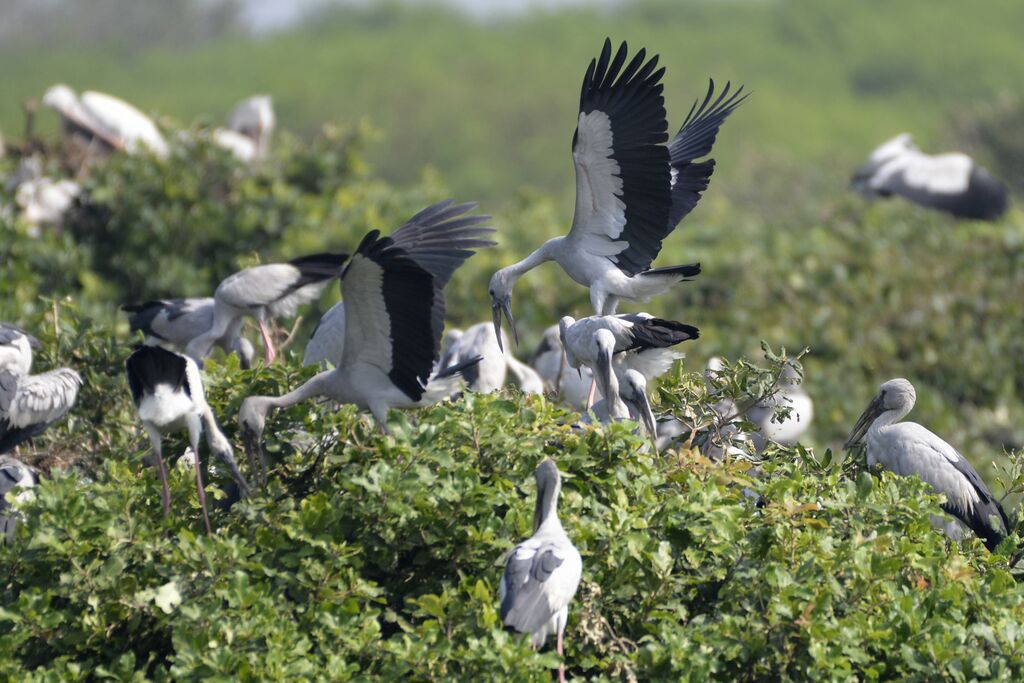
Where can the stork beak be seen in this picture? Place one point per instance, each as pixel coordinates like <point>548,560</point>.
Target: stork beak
<point>874,409</point>
<point>497,309</point>
<point>604,371</point>
<point>538,508</point>
<point>643,407</point>
<point>253,442</point>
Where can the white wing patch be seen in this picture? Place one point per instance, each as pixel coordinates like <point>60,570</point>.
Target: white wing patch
<point>943,174</point>
<point>367,325</point>
<point>600,215</point>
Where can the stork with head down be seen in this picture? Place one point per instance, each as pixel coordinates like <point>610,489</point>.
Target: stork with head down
<point>393,290</point>
<point>909,450</point>
<point>632,189</point>
<point>174,323</point>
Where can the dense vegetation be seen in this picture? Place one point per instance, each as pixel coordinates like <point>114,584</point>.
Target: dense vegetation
<point>372,556</point>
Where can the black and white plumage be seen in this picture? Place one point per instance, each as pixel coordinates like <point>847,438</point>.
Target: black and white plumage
<point>173,323</point>
<point>31,403</point>
<point>327,343</point>
<point>273,290</point>
<point>16,477</point>
<point>16,349</point>
<point>952,182</point>
<point>543,572</point>
<point>908,449</point>
<point>551,364</point>
<point>393,290</point>
<point>632,189</point>
<point>107,119</point>
<point>490,373</point>
<point>168,391</point>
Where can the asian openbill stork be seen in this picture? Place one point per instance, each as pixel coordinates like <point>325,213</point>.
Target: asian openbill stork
<point>908,449</point>
<point>612,344</point>
<point>550,363</point>
<point>273,290</point>
<point>952,182</point>
<point>543,572</point>
<point>393,290</point>
<point>16,349</point>
<point>254,118</point>
<point>490,373</point>
<point>31,403</point>
<point>632,189</point>
<point>14,475</point>
<point>112,121</point>
<point>176,322</point>
<point>167,389</point>
<point>629,401</point>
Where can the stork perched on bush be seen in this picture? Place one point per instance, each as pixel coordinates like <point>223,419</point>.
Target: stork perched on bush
<point>908,449</point>
<point>16,349</point>
<point>273,290</point>
<point>15,476</point>
<point>952,182</point>
<point>550,363</point>
<point>393,290</point>
<point>631,188</point>
<point>176,322</point>
<point>543,572</point>
<point>111,121</point>
<point>168,391</point>
<point>489,375</point>
<point>31,403</point>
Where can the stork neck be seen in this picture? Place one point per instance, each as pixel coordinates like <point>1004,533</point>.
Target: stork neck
<point>317,386</point>
<point>543,254</point>
<point>887,419</point>
<point>546,512</point>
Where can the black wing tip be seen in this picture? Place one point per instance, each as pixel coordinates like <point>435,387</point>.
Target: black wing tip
<point>459,368</point>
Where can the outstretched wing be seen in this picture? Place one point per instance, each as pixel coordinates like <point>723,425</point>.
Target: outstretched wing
<point>623,193</point>
<point>393,292</point>
<point>694,140</point>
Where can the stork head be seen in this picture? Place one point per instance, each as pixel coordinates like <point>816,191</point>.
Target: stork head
<point>243,347</point>
<point>633,391</point>
<point>884,153</point>
<point>549,484</point>
<point>500,290</point>
<point>252,418</point>
<point>59,97</point>
<point>896,396</point>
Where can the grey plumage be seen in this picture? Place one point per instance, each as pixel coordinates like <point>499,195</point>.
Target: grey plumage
<point>176,322</point>
<point>16,349</point>
<point>14,475</point>
<point>31,403</point>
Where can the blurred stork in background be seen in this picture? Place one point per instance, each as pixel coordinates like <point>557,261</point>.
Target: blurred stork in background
<point>176,322</point>
<point>393,290</point>
<point>15,476</point>
<point>270,291</point>
<point>543,572</point>
<point>908,449</point>
<point>31,403</point>
<point>254,118</point>
<point>951,182</point>
<point>168,391</point>
<point>550,363</point>
<point>632,189</point>
<point>490,373</point>
<point>16,349</point>
<point>788,430</point>
<point>102,118</point>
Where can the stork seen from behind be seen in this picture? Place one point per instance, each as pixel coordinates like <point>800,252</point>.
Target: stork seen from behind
<point>632,188</point>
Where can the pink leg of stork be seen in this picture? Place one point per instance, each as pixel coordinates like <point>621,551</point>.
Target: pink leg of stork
<point>268,344</point>
<point>161,472</point>
<point>593,392</point>
<point>561,653</point>
<point>202,493</point>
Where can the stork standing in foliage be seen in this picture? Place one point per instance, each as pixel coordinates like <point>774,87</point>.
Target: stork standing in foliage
<point>176,322</point>
<point>908,449</point>
<point>631,188</point>
<point>543,572</point>
<point>16,349</point>
<point>489,375</point>
<point>273,290</point>
<point>394,317</point>
<point>168,391</point>
<point>786,431</point>
<point>112,121</point>
<point>14,476</point>
<point>952,182</point>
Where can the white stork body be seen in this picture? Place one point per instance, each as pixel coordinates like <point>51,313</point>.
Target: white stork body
<point>106,118</point>
<point>789,430</point>
<point>16,349</point>
<point>947,182</point>
<point>44,201</point>
<point>241,146</point>
<point>543,572</point>
<point>632,189</point>
<point>551,364</point>
<point>31,403</point>
<point>394,317</point>
<point>327,343</point>
<point>16,478</point>
<point>173,323</point>
<point>168,391</point>
<point>270,291</point>
<point>254,119</point>
<point>908,449</point>
<point>490,373</point>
